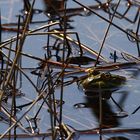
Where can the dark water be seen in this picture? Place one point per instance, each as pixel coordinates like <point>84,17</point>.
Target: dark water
<point>116,116</point>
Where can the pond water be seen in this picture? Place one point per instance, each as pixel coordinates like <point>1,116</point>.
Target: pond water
<point>86,113</point>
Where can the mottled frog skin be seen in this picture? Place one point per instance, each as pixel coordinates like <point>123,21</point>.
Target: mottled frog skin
<point>102,81</point>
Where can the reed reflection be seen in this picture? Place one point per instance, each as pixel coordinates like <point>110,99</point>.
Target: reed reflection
<point>109,119</point>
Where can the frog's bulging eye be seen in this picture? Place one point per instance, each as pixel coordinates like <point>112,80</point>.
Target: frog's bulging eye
<point>105,76</point>
<point>108,75</point>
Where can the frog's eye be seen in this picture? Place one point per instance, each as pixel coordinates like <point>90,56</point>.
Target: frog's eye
<point>108,75</point>
<point>105,76</point>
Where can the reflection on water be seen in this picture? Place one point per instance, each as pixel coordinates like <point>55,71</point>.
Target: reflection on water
<point>53,9</point>
<point>53,6</point>
<point>118,138</point>
<point>103,111</point>
<point>108,115</point>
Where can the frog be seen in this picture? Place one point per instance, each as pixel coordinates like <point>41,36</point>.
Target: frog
<point>104,82</point>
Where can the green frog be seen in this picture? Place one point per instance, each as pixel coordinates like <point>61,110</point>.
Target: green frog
<point>103,82</point>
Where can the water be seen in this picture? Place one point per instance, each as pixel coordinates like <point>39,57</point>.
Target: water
<point>121,115</point>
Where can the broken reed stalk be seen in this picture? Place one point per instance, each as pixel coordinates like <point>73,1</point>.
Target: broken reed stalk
<point>6,70</point>
<point>69,11</point>
<point>27,110</point>
<point>14,102</point>
<point>103,18</point>
<point>0,30</point>
<point>137,42</point>
<point>62,77</point>
<point>13,120</point>
<point>51,100</point>
<point>20,56</point>
<point>27,6</point>
<point>11,29</point>
<point>108,67</point>
<point>5,74</point>
<point>40,95</point>
<point>7,64</point>
<point>100,111</point>
<point>116,104</point>
<point>106,33</point>
<point>82,47</point>
<point>60,35</point>
<point>51,91</point>
<point>17,67</point>
<point>22,39</point>
<point>14,80</point>
<point>4,43</point>
<point>84,132</point>
<point>50,62</point>
<point>17,121</point>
